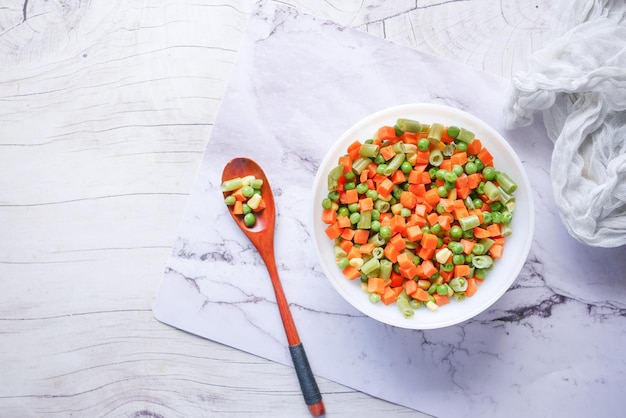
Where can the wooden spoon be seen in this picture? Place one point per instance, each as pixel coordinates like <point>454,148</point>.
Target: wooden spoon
<point>262,236</point>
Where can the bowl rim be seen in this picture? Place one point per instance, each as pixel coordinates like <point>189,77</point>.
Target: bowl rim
<point>523,225</point>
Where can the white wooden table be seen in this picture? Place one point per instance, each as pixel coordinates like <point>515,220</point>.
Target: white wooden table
<point>105,110</point>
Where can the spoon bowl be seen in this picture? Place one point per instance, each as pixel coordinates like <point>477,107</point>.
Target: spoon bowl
<point>261,234</point>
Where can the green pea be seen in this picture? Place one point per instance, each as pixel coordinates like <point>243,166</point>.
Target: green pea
<point>496,206</point>
<point>469,234</point>
<point>333,195</point>
<point>481,188</point>
<point>447,267</point>
<point>450,176</point>
<point>453,131</point>
<point>349,175</point>
<point>478,203</point>
<point>480,273</point>
<point>442,289</point>
<point>381,168</point>
<point>406,167</point>
<point>487,218</point>
<point>343,211</point>
<point>469,258</point>
<point>230,200</point>
<point>440,174</point>
<point>349,185</point>
<point>449,185</point>
<point>456,247</point>
<point>432,289</point>
<point>375,226</point>
<point>405,212</point>
<point>478,249</point>
<point>343,262</point>
<point>425,229</point>
<point>458,259</point>
<point>247,191</point>
<point>461,146</point>
<point>439,243</point>
<point>246,209</point>
<point>353,207</point>
<point>385,232</point>
<point>442,191</point>
<point>379,159</point>
<point>470,168</point>
<point>375,214</point>
<point>423,144</point>
<point>362,188</point>
<point>374,297</point>
<point>457,169</point>
<point>455,232</point>
<point>489,173</point>
<point>507,217</point>
<point>479,165</point>
<point>327,203</point>
<point>372,194</point>
<point>440,209</point>
<point>435,229</point>
<point>249,219</point>
<point>355,217</point>
<point>432,172</point>
<point>496,217</point>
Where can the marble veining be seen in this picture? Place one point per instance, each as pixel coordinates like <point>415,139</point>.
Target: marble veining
<point>551,346</point>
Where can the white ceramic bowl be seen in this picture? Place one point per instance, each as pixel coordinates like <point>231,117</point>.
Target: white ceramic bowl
<point>505,270</point>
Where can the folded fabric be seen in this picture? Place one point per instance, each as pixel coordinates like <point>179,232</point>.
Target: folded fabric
<point>578,81</point>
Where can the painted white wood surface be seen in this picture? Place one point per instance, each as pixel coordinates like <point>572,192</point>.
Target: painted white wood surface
<point>105,110</point>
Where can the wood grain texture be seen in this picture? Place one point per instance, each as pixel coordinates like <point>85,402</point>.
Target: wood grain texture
<point>105,110</point>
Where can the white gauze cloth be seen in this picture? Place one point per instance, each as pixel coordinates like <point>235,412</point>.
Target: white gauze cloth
<point>578,81</point>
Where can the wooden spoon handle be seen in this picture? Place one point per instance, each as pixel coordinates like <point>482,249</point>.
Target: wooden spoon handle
<point>308,385</point>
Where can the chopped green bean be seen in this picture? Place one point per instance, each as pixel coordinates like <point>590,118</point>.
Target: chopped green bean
<point>491,191</point>
<point>394,164</point>
<point>369,150</point>
<point>409,125</point>
<point>465,136</point>
<point>361,164</point>
<point>506,182</point>
<point>365,220</point>
<point>482,261</point>
<point>469,222</point>
<point>232,184</point>
<point>435,158</point>
<point>333,177</point>
<point>435,133</point>
<point>458,284</point>
<point>374,297</point>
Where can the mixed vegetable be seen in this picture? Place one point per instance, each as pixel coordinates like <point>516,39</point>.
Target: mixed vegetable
<point>418,214</point>
<point>244,195</point>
